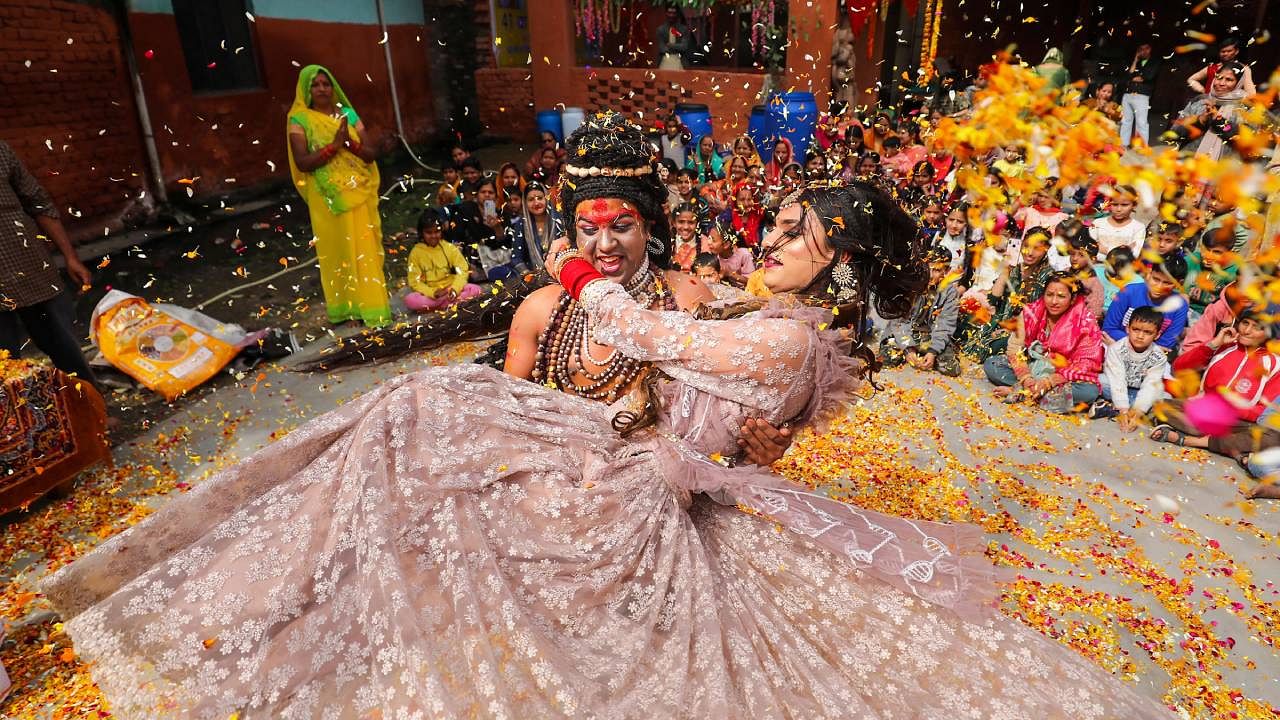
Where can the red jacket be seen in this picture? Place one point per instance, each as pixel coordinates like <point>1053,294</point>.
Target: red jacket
<point>1254,375</point>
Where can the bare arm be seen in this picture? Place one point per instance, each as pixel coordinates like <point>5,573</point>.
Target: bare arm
<point>309,161</point>
<point>372,144</point>
<point>689,291</point>
<point>1196,82</point>
<point>997,290</point>
<point>522,340</point>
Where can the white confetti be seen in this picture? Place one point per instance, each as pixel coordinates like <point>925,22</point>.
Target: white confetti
<point>1167,504</point>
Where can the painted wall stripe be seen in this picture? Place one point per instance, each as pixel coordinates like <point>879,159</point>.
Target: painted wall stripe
<point>363,12</point>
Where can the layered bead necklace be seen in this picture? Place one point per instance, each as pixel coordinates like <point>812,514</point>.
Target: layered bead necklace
<point>564,345</point>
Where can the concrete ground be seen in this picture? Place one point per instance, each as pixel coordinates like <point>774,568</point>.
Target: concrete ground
<point>1122,542</point>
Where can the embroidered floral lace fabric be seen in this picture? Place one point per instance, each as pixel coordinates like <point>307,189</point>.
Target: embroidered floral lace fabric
<point>459,543</point>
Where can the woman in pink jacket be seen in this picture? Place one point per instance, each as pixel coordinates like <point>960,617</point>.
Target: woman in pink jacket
<point>1056,353</point>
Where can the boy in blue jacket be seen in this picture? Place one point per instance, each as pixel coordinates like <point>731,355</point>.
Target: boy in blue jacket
<point>1161,282</point>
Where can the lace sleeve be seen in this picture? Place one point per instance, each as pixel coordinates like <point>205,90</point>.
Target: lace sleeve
<point>763,363</point>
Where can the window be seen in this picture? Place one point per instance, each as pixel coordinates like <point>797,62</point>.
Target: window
<point>726,36</point>
<point>218,44</point>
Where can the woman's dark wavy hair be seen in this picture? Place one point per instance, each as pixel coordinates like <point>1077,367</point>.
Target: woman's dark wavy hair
<point>882,243</point>
<point>609,140</point>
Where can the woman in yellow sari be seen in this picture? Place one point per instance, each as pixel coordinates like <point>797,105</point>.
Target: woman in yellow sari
<point>337,177</point>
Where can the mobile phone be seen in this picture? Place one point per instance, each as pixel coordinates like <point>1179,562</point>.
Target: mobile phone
<point>490,208</point>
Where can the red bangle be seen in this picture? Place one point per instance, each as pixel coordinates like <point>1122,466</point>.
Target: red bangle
<point>354,146</point>
<point>576,274</point>
<point>328,152</point>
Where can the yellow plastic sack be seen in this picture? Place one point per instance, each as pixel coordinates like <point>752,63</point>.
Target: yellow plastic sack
<point>156,348</point>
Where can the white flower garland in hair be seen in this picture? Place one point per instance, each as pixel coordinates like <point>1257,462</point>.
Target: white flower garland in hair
<point>594,171</point>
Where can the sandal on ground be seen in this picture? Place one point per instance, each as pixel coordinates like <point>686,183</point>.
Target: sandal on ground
<point>1014,398</point>
<point>1166,434</point>
<point>1243,462</point>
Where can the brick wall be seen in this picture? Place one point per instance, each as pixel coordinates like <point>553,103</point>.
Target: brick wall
<point>728,95</point>
<point>483,22</point>
<point>76,129</point>
<point>506,102</point>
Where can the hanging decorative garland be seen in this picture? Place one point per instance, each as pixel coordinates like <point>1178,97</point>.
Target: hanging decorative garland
<point>929,43</point>
<point>593,18</point>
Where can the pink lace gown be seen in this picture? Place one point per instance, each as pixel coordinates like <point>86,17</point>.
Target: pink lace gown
<point>460,543</point>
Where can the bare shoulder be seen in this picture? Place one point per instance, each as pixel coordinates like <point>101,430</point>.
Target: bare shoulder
<point>522,340</point>
<point>689,290</point>
<point>537,306</point>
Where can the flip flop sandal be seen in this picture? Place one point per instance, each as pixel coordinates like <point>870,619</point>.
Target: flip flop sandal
<point>1014,398</point>
<point>1163,433</point>
<point>1243,462</point>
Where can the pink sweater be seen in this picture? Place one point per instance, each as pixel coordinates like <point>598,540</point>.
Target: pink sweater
<point>1216,314</point>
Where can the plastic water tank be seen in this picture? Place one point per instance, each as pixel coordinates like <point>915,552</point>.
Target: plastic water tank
<point>570,119</point>
<point>549,121</point>
<point>794,116</point>
<point>696,117</point>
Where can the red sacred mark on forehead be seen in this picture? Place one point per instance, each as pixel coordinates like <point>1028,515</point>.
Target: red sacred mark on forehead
<point>600,213</point>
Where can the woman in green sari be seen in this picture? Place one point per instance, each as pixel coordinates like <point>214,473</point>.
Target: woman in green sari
<point>338,179</point>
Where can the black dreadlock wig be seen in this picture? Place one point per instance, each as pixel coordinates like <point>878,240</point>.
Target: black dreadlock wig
<point>608,140</point>
<point>488,314</point>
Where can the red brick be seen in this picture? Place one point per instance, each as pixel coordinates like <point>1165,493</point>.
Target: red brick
<point>89,92</point>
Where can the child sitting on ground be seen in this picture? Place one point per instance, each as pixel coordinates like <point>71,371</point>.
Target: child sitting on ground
<point>1160,289</point>
<point>1119,228</point>
<point>988,267</point>
<point>736,263</point>
<point>1210,268</point>
<point>1114,273</point>
<point>1165,240</point>
<point>1236,366</point>
<point>707,268</point>
<point>1082,250</point>
<point>1133,372</point>
<point>437,268</point>
<point>925,337</point>
<point>684,224</point>
<point>1045,210</point>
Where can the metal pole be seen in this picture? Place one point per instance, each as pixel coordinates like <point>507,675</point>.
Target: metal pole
<point>391,70</point>
<point>140,103</point>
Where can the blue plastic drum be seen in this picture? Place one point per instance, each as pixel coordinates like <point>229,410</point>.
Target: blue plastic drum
<point>758,131</point>
<point>570,119</point>
<point>695,117</point>
<point>793,116</point>
<point>549,121</point>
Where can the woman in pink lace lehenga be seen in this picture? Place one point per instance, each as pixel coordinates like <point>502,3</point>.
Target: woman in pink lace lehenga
<point>463,543</point>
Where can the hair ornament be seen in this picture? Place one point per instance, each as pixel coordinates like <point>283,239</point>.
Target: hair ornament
<point>595,171</point>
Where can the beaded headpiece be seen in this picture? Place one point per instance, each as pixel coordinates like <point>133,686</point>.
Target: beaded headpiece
<point>609,157</point>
